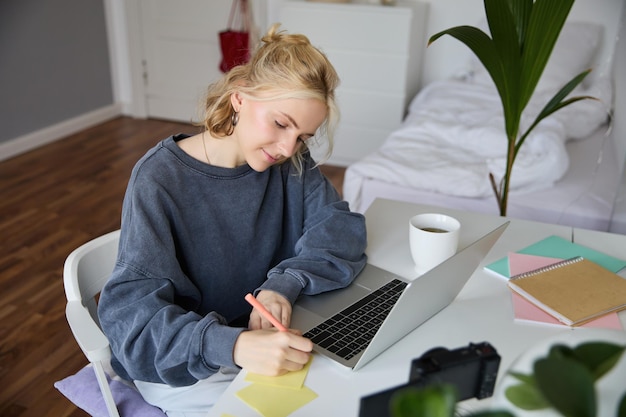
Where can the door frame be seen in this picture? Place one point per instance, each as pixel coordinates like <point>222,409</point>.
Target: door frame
<point>126,51</point>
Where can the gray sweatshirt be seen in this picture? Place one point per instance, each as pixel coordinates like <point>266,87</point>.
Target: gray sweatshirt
<point>196,238</point>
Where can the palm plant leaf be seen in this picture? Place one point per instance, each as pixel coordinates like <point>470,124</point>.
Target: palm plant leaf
<point>521,14</point>
<point>544,26</point>
<point>482,46</point>
<point>508,49</point>
<point>523,35</point>
<point>556,103</point>
<point>487,53</point>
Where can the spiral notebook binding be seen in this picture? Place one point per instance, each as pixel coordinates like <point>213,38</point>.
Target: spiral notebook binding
<point>548,268</point>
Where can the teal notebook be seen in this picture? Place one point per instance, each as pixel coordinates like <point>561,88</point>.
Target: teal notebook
<point>557,247</point>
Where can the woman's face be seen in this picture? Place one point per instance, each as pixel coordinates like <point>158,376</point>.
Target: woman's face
<point>270,132</point>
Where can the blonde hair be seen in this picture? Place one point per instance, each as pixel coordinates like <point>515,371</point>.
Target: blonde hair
<point>284,66</point>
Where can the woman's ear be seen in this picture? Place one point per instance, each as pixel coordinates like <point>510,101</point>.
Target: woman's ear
<point>236,100</point>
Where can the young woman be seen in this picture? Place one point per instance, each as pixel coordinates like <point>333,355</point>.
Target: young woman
<point>239,208</point>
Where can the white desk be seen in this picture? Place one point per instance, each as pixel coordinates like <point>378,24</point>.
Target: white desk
<point>481,312</point>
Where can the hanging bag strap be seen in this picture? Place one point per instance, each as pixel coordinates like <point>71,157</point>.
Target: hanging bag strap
<point>239,19</point>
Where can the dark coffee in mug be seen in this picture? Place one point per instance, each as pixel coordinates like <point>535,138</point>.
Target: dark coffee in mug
<point>433,229</point>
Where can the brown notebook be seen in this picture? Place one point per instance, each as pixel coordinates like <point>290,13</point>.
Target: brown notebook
<point>574,290</point>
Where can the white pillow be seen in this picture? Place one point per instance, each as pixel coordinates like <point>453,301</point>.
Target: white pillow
<point>573,53</point>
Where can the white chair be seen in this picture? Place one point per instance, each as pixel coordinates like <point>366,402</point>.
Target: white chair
<point>85,272</point>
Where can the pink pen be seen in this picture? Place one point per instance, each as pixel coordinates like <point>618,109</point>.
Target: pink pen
<point>253,301</point>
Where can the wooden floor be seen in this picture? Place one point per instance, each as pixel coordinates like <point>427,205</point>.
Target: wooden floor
<point>52,200</point>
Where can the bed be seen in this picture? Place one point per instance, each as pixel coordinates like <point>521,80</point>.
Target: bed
<point>568,171</point>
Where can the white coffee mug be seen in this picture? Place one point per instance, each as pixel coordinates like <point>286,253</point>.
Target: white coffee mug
<point>433,238</point>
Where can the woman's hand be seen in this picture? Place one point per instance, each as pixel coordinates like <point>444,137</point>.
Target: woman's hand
<point>271,352</point>
<point>276,304</point>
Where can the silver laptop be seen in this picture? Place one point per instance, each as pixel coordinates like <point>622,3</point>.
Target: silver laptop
<point>355,324</point>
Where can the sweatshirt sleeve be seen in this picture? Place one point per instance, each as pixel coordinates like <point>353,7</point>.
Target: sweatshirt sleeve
<point>155,340</point>
<point>330,250</point>
<point>148,308</point>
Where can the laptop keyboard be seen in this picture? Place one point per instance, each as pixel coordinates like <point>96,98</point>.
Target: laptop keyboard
<point>350,331</point>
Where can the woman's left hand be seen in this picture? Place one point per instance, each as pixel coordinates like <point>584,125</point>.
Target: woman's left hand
<point>276,304</point>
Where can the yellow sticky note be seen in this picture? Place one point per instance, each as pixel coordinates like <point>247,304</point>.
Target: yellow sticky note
<point>293,380</point>
<point>272,401</point>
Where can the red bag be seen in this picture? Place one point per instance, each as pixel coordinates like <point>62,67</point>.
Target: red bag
<point>235,44</point>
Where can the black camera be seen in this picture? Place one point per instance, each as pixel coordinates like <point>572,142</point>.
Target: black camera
<point>472,370</point>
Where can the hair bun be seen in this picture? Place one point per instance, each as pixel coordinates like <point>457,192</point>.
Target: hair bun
<point>275,35</point>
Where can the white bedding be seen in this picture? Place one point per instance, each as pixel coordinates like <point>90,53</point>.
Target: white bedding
<point>566,172</point>
<point>453,137</point>
<point>582,198</point>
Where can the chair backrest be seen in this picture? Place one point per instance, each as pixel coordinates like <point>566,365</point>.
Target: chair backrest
<point>88,268</point>
<point>85,272</point>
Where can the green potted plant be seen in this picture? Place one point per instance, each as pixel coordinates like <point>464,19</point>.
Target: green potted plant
<point>563,381</point>
<point>523,35</point>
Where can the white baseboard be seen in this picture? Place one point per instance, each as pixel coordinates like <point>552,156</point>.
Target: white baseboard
<point>30,141</point>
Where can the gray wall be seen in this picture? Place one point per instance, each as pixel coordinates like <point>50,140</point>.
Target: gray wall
<point>54,63</point>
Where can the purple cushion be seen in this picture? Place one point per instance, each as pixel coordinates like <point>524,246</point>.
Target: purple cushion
<point>83,390</point>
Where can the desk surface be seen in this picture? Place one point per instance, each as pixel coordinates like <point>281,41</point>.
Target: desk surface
<point>481,312</point>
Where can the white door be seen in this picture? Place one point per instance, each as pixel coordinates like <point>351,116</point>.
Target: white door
<point>181,54</point>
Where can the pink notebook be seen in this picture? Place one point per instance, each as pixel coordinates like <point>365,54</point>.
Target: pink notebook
<point>525,310</point>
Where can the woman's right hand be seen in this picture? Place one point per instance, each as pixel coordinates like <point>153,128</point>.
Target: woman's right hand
<point>272,352</point>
